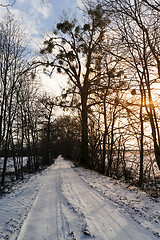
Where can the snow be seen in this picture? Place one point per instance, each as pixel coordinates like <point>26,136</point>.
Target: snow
<point>10,163</point>
<point>143,208</point>
<point>66,202</point>
<point>15,205</point>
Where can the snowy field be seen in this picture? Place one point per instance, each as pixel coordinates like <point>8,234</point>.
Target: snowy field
<point>10,163</point>
<point>64,202</point>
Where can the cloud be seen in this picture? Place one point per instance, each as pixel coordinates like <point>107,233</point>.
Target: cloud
<point>5,2</point>
<point>36,7</point>
<point>80,4</point>
<point>28,22</point>
<point>33,15</point>
<point>3,10</point>
<point>21,1</point>
<point>53,84</point>
<point>43,9</point>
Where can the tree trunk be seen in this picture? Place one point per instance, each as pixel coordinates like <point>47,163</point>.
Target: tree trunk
<point>157,153</point>
<point>14,157</point>
<point>84,129</point>
<point>118,157</point>
<point>154,135</point>
<point>104,137</point>
<point>7,142</point>
<point>110,157</point>
<point>5,160</point>
<point>140,182</point>
<point>49,139</point>
<point>153,119</point>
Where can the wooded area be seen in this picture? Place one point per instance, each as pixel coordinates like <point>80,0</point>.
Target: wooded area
<point>111,60</point>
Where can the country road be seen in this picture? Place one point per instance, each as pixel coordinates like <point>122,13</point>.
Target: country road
<point>67,208</point>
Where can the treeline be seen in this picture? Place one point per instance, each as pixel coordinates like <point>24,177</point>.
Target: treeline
<point>18,100</point>
<point>28,138</point>
<point>110,58</point>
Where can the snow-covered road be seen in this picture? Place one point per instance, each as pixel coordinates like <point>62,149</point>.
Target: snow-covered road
<point>67,208</point>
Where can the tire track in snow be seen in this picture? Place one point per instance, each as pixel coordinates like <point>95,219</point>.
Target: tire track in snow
<point>51,217</point>
<point>103,219</point>
<point>45,219</point>
<point>74,219</point>
<point>84,203</point>
<point>62,224</point>
<point>101,201</point>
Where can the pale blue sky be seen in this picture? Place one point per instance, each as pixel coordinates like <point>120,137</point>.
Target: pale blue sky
<point>37,17</point>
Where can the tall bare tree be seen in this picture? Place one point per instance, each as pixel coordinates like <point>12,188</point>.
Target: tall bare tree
<point>75,50</point>
<point>138,29</point>
<point>13,50</point>
<point>48,104</point>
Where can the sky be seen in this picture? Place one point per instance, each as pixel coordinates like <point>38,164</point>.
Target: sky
<point>36,16</point>
<point>39,18</point>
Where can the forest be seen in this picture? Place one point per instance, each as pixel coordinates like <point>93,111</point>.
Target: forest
<point>107,116</point>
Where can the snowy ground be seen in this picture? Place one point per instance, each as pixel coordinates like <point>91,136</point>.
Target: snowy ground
<point>10,163</point>
<point>138,204</point>
<point>64,202</point>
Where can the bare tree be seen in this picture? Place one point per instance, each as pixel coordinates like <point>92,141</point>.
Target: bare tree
<point>48,104</point>
<point>154,4</point>
<point>74,52</point>
<point>140,37</point>
<point>13,48</point>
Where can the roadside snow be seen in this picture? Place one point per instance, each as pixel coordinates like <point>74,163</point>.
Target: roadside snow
<point>15,205</point>
<point>138,204</point>
<point>64,202</point>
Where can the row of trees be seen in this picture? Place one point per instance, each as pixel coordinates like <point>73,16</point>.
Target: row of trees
<point>111,62</point>
<point>26,114</point>
<point>20,111</point>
